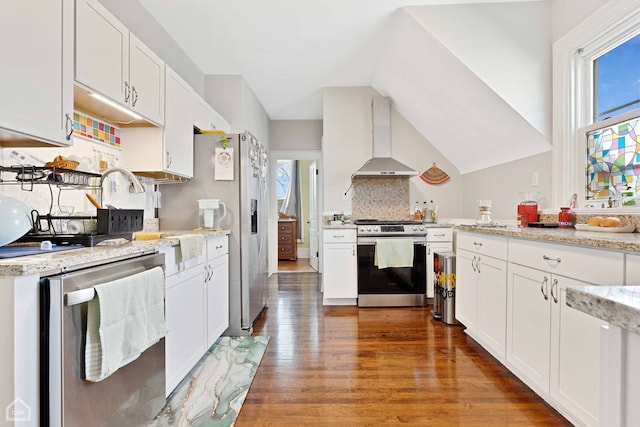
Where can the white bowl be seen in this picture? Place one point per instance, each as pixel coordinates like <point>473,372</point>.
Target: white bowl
<point>16,219</point>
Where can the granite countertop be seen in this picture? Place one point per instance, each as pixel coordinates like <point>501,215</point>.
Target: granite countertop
<point>340,226</point>
<point>329,226</point>
<point>58,262</point>
<point>603,240</point>
<point>619,305</point>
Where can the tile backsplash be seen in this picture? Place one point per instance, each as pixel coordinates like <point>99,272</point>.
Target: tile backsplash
<point>380,198</point>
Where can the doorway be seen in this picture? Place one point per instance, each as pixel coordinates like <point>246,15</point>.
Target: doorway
<point>299,210</point>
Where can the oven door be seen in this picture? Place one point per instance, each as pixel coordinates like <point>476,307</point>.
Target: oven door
<point>392,286</point>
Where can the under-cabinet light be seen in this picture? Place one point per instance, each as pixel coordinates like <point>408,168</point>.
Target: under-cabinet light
<point>116,106</point>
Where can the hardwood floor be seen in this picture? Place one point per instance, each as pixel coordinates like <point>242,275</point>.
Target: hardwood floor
<point>300,265</point>
<point>376,366</point>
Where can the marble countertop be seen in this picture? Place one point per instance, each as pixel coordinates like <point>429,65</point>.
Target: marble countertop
<point>617,241</point>
<point>619,305</point>
<point>58,262</point>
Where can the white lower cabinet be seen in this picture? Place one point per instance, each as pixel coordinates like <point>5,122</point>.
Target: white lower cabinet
<point>466,289</point>
<point>196,306</point>
<point>185,311</point>
<point>481,290</point>
<point>217,288</point>
<point>550,346</point>
<point>575,357</point>
<point>340,264</point>
<point>632,272</point>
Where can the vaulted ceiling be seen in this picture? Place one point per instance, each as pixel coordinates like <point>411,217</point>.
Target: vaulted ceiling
<point>473,77</point>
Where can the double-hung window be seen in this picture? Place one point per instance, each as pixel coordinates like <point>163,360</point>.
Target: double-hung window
<point>613,139</point>
<point>597,110</point>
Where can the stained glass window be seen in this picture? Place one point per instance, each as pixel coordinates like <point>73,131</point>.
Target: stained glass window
<point>613,160</point>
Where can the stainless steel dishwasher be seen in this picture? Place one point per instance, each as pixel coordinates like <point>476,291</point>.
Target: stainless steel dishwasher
<point>131,396</point>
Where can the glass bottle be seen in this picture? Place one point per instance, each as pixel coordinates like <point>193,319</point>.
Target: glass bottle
<point>417,212</point>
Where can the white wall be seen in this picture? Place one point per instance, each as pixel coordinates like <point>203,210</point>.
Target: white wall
<point>140,22</point>
<point>507,45</point>
<point>347,145</point>
<point>567,14</point>
<point>506,186</point>
<point>232,97</point>
<point>295,135</point>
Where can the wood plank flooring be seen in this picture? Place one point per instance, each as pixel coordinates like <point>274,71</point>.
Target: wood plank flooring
<point>376,366</point>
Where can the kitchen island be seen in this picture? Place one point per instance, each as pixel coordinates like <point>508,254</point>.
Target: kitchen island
<point>513,290</point>
<point>619,348</point>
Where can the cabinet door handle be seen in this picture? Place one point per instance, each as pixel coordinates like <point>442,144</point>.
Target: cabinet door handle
<point>546,258</point>
<point>127,92</point>
<point>473,263</point>
<point>68,126</point>
<point>543,288</point>
<point>554,284</point>
<point>134,96</point>
<point>478,265</point>
<point>168,159</point>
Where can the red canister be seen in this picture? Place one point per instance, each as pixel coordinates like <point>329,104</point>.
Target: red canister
<point>565,219</point>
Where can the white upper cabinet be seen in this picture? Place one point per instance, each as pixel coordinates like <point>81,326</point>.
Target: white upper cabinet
<point>153,150</point>
<point>178,130</point>
<point>36,88</point>
<point>205,117</point>
<point>113,62</point>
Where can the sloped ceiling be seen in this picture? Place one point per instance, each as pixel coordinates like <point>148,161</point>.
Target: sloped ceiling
<point>472,76</point>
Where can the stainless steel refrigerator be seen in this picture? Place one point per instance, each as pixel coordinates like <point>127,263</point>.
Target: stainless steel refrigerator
<point>244,191</point>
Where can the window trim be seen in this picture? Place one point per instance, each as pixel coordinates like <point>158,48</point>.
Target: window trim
<point>613,23</point>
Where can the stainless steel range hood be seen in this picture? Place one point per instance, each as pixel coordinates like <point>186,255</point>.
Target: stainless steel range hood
<point>382,164</point>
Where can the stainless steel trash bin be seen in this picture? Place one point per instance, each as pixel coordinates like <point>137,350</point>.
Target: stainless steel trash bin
<point>444,266</point>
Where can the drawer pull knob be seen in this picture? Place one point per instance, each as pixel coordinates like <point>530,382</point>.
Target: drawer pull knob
<point>546,258</point>
<point>477,244</point>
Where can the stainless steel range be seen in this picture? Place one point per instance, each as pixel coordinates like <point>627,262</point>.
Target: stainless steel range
<point>392,286</point>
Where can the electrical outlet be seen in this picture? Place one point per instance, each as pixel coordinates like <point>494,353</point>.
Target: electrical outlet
<point>535,177</point>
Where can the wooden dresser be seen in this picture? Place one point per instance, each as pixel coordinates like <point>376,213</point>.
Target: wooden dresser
<point>287,238</point>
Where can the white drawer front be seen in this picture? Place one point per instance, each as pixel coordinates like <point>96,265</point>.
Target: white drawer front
<point>217,246</point>
<point>590,265</point>
<point>340,236</point>
<point>439,234</point>
<point>494,246</point>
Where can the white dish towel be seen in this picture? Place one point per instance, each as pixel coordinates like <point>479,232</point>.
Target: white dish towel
<point>191,246</point>
<point>392,252</point>
<point>124,319</point>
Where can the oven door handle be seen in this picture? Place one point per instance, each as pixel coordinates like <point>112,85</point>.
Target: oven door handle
<point>370,241</point>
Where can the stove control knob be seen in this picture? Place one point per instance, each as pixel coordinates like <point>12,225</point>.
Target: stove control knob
<point>375,229</point>
<point>369,228</point>
<point>421,228</point>
<point>362,229</point>
<point>414,228</point>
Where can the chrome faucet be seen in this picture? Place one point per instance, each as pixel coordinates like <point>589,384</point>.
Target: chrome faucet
<point>135,187</point>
